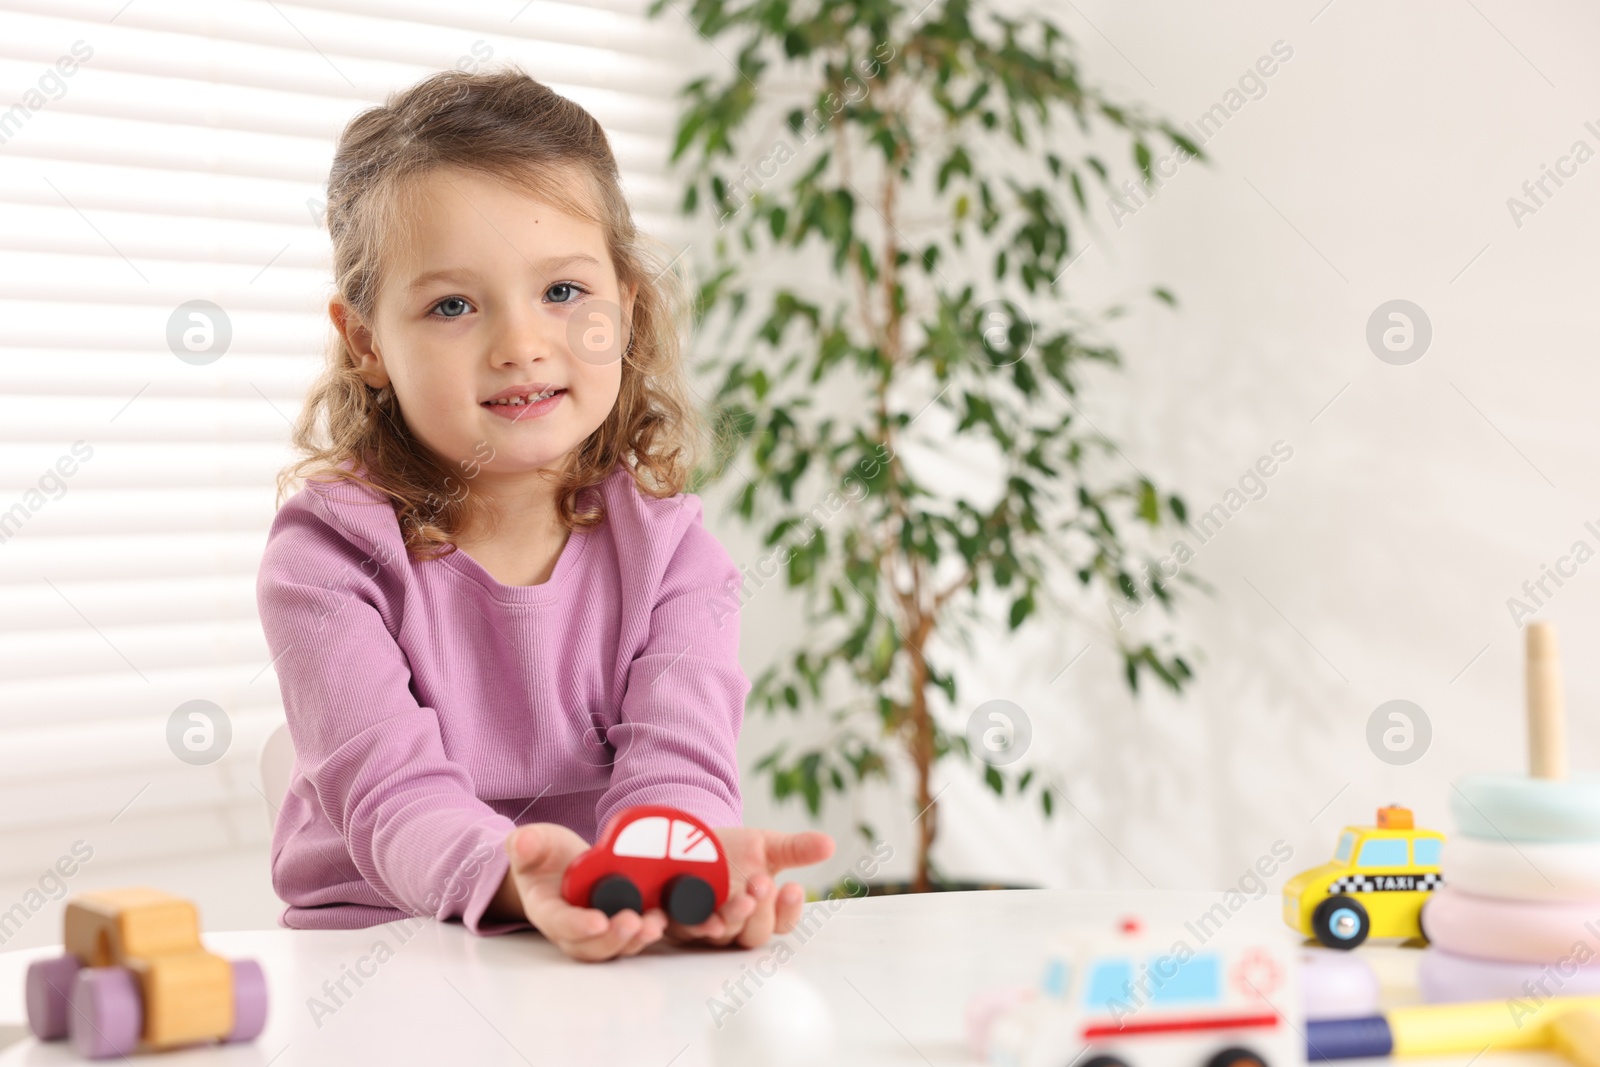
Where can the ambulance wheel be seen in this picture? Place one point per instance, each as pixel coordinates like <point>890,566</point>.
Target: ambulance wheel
<point>1236,1057</point>
<point>1340,922</point>
<point>1104,1061</point>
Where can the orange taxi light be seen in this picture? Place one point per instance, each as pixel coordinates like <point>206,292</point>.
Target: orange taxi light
<point>1395,817</point>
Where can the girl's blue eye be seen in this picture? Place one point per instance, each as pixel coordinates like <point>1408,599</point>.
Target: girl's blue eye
<point>569,287</point>
<point>451,307</point>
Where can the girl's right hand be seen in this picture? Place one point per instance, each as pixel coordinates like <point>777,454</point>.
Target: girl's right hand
<point>540,853</point>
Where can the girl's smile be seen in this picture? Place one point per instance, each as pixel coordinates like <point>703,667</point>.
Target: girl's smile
<point>525,401</point>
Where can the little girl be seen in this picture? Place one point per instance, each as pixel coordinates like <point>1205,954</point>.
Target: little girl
<point>497,619</point>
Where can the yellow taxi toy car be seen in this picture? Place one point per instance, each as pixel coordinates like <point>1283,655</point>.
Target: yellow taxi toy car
<point>1375,885</point>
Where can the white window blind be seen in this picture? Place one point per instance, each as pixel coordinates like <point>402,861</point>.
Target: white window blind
<point>183,158</point>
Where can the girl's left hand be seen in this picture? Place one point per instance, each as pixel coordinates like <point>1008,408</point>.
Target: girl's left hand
<point>757,907</point>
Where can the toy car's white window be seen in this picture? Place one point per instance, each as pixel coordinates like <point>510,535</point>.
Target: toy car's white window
<point>646,838</point>
<point>688,843</point>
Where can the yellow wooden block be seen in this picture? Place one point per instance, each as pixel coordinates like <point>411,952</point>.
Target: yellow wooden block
<point>188,997</point>
<point>104,927</point>
<point>1576,1035</point>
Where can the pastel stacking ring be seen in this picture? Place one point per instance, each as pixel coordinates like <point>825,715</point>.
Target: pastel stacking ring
<point>1515,807</point>
<point>1335,984</point>
<point>1511,931</point>
<point>1547,871</point>
<point>1445,978</point>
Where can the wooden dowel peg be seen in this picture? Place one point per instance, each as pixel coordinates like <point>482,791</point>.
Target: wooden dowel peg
<point>1547,710</point>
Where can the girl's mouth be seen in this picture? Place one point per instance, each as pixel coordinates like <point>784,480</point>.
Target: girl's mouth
<point>525,407</point>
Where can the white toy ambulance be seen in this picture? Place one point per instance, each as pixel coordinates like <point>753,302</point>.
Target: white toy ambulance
<point>1139,1000</point>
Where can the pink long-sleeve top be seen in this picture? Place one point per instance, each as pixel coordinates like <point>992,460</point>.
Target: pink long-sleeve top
<point>433,708</point>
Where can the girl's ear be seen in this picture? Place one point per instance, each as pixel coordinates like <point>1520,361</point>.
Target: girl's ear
<point>360,342</point>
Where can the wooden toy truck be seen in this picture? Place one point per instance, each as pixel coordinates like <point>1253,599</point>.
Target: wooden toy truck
<point>135,976</point>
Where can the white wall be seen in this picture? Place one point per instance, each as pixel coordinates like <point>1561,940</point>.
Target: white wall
<point>1376,166</point>
<point>1390,541</point>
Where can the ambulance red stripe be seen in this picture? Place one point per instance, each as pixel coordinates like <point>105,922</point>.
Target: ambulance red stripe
<point>1179,1026</point>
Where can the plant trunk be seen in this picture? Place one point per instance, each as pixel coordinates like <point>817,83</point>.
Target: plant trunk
<point>927,823</point>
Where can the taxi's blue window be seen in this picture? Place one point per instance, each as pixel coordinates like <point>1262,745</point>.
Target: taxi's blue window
<point>1347,844</point>
<point>1426,850</point>
<point>1109,984</point>
<point>1194,981</point>
<point>1384,852</point>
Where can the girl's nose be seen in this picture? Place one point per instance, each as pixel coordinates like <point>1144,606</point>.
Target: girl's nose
<point>522,337</point>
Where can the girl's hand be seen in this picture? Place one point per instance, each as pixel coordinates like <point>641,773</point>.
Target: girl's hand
<point>540,853</point>
<point>757,907</point>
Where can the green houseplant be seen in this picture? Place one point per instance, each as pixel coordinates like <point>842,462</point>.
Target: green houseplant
<point>916,167</point>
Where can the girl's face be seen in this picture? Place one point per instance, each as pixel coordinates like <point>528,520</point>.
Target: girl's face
<point>497,295</point>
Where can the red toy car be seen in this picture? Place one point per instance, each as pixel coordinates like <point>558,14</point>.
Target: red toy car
<point>651,856</point>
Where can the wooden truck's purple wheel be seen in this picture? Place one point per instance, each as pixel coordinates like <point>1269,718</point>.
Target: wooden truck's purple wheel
<point>49,995</point>
<point>249,1001</point>
<point>107,1012</point>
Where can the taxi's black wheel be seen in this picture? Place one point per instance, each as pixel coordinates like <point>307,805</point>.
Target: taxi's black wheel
<point>1340,922</point>
<point>689,900</point>
<point>1236,1057</point>
<point>1104,1061</point>
<point>1422,921</point>
<point>615,893</point>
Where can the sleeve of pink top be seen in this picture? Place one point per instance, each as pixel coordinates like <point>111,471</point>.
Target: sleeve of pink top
<point>683,704</point>
<point>408,814</point>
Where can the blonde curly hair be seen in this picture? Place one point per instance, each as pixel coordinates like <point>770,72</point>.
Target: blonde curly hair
<point>504,124</point>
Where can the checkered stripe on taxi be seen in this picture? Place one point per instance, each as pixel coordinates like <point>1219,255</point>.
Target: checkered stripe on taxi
<point>1386,883</point>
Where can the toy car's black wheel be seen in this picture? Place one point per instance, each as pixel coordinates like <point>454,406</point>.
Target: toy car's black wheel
<point>1236,1057</point>
<point>615,893</point>
<point>1104,1061</point>
<point>689,900</point>
<point>1340,922</point>
<point>1422,921</point>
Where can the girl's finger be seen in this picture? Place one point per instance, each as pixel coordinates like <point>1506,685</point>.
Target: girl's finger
<point>736,913</point>
<point>712,928</point>
<point>560,921</point>
<point>650,931</point>
<point>797,850</point>
<point>621,929</point>
<point>758,926</point>
<point>791,904</point>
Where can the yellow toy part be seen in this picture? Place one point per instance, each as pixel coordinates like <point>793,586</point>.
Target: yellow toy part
<point>134,977</point>
<point>188,992</point>
<point>1375,885</point>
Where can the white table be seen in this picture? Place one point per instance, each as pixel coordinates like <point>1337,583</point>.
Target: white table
<point>896,971</point>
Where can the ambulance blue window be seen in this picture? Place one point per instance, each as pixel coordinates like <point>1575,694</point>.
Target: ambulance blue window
<point>1426,850</point>
<point>1194,981</point>
<point>1055,978</point>
<point>1384,852</point>
<point>1110,984</point>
